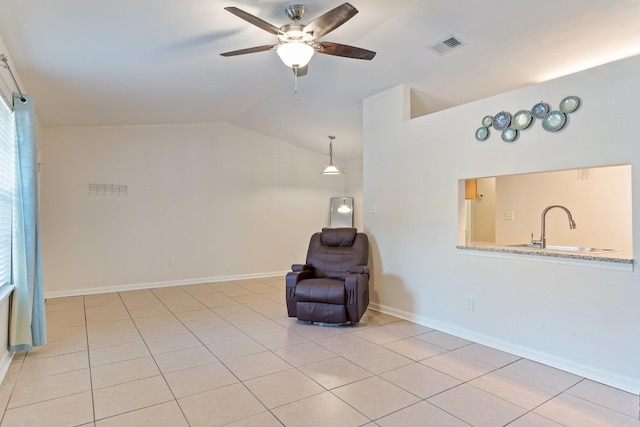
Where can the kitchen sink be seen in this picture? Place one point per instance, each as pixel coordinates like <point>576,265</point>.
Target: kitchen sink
<point>521,245</point>
<point>578,249</point>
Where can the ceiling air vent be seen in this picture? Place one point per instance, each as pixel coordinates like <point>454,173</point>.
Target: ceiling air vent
<point>447,45</point>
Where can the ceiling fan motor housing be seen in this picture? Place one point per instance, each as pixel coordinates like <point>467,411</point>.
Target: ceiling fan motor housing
<point>294,33</point>
<point>295,12</point>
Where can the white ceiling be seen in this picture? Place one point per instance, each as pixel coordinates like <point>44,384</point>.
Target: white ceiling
<point>137,62</point>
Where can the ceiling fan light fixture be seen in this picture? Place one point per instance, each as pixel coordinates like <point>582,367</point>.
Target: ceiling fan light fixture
<point>297,41</point>
<point>295,54</point>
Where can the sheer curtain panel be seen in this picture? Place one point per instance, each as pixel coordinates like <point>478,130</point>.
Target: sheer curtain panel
<point>27,318</point>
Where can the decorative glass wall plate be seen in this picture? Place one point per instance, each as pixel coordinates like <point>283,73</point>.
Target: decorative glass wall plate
<point>569,104</point>
<point>501,120</point>
<point>540,110</point>
<point>482,133</point>
<point>509,134</point>
<point>554,121</point>
<point>487,120</point>
<point>521,120</point>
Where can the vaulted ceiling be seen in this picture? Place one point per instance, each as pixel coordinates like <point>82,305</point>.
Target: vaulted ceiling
<point>143,62</point>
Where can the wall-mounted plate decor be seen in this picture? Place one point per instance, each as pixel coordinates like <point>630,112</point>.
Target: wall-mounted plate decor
<point>540,110</point>
<point>509,134</point>
<point>482,133</point>
<point>501,120</point>
<point>510,126</point>
<point>521,120</point>
<point>554,121</point>
<point>569,104</point>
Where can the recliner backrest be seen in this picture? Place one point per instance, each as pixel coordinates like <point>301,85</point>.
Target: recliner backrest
<point>334,251</point>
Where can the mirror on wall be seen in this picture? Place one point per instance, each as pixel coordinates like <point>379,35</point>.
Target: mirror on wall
<point>341,212</point>
<point>507,209</point>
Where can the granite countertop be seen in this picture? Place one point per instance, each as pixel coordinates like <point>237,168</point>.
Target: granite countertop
<point>617,257</point>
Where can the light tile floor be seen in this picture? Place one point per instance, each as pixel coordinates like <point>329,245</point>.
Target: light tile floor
<point>226,354</point>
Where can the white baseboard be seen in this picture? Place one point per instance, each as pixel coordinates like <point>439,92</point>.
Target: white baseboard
<point>6,356</point>
<point>149,285</point>
<point>623,383</point>
<point>5,363</point>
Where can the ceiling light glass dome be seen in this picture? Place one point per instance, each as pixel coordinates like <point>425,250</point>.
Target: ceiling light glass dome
<point>295,54</point>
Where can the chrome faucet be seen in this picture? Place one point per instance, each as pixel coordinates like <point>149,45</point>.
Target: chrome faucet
<point>543,240</point>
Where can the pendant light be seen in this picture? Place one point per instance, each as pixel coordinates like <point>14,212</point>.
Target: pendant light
<point>344,208</point>
<point>331,169</point>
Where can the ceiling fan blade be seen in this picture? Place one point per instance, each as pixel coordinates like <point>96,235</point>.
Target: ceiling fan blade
<point>330,20</point>
<point>302,71</point>
<point>253,20</point>
<point>249,50</point>
<point>337,49</point>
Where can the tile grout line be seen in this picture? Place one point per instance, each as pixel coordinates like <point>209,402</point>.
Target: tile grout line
<point>209,350</point>
<point>86,329</point>
<point>175,399</point>
<point>150,354</point>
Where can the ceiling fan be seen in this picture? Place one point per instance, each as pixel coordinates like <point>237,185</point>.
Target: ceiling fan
<point>297,42</point>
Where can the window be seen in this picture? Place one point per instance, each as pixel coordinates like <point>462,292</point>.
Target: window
<point>7,150</point>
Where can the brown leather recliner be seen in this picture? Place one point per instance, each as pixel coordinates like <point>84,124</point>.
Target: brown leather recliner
<point>333,285</point>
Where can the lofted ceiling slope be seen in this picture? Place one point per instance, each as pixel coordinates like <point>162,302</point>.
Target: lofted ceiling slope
<point>123,62</point>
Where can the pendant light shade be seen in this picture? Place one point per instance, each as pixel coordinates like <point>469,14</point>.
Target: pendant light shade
<point>295,54</point>
<point>331,169</point>
<point>344,208</point>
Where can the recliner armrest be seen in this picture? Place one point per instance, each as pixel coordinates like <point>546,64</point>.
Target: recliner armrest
<point>359,269</point>
<point>291,281</point>
<point>357,287</point>
<point>301,267</point>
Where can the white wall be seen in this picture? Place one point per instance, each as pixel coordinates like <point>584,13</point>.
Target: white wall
<point>577,318</point>
<point>353,188</point>
<point>220,201</point>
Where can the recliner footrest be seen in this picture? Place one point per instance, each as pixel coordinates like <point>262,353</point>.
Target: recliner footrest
<point>324,290</point>
<point>320,312</point>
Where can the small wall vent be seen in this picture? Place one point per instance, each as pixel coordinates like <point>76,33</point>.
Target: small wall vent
<point>447,45</point>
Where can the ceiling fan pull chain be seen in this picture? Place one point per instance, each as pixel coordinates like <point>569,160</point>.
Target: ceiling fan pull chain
<point>295,82</point>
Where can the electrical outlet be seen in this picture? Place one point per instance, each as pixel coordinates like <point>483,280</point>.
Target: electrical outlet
<point>170,261</point>
<point>470,303</point>
<point>509,215</point>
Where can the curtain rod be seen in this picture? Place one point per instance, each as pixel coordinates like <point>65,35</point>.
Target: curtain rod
<point>4,59</point>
